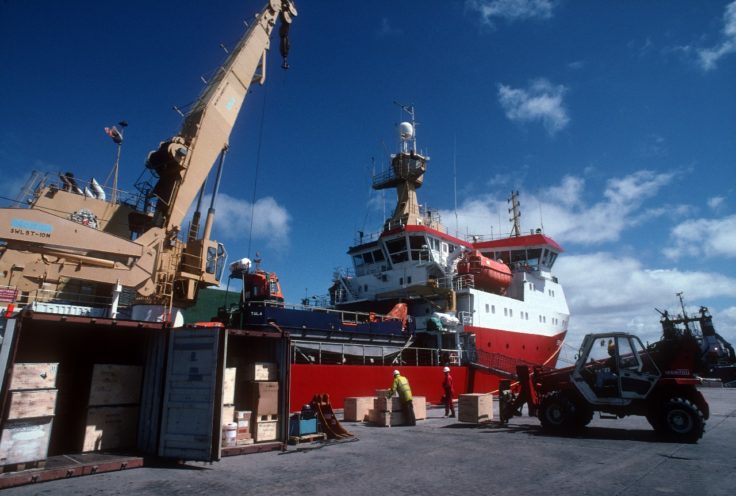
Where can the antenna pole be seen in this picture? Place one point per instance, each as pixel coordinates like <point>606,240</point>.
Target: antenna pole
<point>454,178</point>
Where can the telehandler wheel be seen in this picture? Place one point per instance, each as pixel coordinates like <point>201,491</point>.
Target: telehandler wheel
<point>557,412</point>
<point>583,415</point>
<point>681,420</point>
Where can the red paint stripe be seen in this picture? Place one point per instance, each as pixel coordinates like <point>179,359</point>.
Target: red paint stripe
<point>520,241</point>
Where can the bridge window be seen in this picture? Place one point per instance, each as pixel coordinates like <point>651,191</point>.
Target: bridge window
<point>397,250</point>
<point>418,246</point>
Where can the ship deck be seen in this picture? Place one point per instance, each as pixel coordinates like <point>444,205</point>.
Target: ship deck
<point>441,456</point>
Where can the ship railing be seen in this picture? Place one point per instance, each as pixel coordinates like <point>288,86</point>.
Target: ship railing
<point>465,281</point>
<point>320,353</point>
<point>466,318</point>
<point>63,301</point>
<point>40,180</point>
<point>499,362</point>
<point>347,316</point>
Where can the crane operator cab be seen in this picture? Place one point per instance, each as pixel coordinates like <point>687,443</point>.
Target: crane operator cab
<point>614,366</point>
<point>215,262</point>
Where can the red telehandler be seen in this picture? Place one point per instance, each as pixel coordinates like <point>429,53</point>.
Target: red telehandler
<point>616,376</point>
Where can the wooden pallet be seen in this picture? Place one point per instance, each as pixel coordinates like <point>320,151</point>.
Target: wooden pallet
<point>17,467</point>
<point>307,438</point>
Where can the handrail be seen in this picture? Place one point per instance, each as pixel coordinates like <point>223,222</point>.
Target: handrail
<point>338,353</point>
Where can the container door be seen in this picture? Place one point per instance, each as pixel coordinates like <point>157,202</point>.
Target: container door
<point>191,391</point>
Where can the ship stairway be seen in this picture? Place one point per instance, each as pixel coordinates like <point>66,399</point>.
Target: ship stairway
<point>498,364</point>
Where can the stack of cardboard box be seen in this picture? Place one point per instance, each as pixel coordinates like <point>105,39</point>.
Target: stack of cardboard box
<point>27,427</point>
<point>113,407</point>
<point>262,399</point>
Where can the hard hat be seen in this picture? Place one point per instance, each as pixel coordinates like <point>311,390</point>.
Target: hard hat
<point>446,369</point>
<point>396,372</point>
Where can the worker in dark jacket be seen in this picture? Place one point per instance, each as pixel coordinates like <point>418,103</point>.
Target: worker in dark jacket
<point>401,385</point>
<point>449,392</point>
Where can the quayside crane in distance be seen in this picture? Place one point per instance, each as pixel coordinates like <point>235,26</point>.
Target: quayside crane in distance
<point>73,241</point>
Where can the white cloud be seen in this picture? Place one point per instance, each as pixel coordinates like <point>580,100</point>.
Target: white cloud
<point>715,202</point>
<point>709,57</point>
<point>541,102</point>
<point>566,213</point>
<point>606,292</point>
<point>703,238</point>
<point>511,10</point>
<point>271,221</point>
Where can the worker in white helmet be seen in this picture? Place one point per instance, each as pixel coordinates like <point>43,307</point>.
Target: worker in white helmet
<point>448,392</point>
<point>401,385</point>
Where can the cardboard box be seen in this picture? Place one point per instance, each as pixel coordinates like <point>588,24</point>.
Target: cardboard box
<point>115,385</point>
<point>475,408</point>
<point>355,409</point>
<point>32,403</point>
<point>110,427</point>
<point>263,398</point>
<point>228,413</point>
<point>244,415</point>
<point>265,431</point>
<point>260,371</point>
<point>34,376</point>
<point>228,386</point>
<point>25,440</point>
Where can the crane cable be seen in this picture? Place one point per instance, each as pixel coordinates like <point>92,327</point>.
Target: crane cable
<point>258,164</point>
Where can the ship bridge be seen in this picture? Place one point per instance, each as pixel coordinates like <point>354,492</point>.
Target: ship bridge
<point>533,251</point>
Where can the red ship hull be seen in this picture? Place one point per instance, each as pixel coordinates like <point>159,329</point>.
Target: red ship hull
<point>344,381</point>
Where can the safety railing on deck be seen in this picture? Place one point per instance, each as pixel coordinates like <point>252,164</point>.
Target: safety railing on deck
<point>62,301</point>
<point>326,353</point>
<point>498,362</point>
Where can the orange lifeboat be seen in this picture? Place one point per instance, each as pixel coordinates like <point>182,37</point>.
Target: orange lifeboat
<point>488,274</point>
<point>262,286</point>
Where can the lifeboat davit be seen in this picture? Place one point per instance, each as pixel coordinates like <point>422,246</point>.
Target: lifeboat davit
<point>488,274</point>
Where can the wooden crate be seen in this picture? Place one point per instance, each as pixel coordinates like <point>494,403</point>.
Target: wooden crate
<point>34,376</point>
<point>115,385</point>
<point>111,427</point>
<point>260,371</point>
<point>228,386</point>
<point>475,408</point>
<point>355,409</point>
<point>420,407</point>
<point>228,413</point>
<point>384,404</point>
<point>25,441</point>
<point>419,402</point>
<point>379,417</point>
<point>32,403</point>
<point>265,431</point>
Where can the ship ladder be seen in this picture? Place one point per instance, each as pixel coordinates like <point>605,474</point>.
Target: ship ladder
<point>165,278</point>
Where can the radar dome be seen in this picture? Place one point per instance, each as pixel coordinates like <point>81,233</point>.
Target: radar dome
<point>406,131</point>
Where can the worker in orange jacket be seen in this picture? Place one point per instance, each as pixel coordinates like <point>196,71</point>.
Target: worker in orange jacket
<point>449,392</point>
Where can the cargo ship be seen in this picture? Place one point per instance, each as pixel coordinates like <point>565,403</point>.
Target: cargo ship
<point>416,298</point>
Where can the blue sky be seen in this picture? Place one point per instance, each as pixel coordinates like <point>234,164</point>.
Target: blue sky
<point>616,121</point>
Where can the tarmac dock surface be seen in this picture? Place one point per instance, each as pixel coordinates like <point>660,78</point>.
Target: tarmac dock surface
<point>441,456</point>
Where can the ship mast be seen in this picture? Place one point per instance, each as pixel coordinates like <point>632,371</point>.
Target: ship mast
<point>515,212</point>
<point>406,175</point>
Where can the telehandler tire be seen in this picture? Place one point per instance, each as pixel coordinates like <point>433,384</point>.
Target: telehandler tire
<point>681,420</point>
